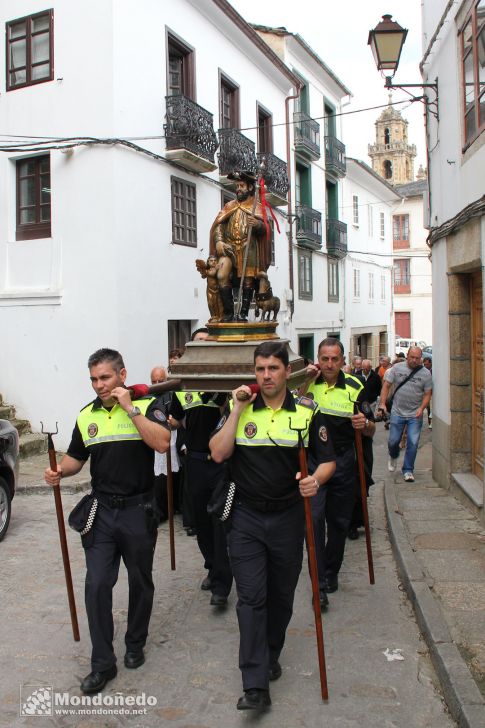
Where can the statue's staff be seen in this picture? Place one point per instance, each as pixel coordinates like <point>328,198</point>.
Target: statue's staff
<point>62,534</point>
<point>261,169</point>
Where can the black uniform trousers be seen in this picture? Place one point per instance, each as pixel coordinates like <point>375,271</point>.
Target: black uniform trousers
<point>266,552</point>
<point>333,504</point>
<point>119,533</point>
<point>202,477</point>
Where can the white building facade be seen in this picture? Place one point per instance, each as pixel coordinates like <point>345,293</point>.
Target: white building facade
<point>453,41</point>
<point>368,316</point>
<point>99,234</point>
<point>412,264</point>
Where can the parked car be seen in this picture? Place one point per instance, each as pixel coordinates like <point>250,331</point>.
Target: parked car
<point>402,345</point>
<point>428,350</point>
<point>9,469</point>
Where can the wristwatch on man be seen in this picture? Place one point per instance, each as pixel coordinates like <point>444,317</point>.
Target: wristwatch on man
<point>134,412</point>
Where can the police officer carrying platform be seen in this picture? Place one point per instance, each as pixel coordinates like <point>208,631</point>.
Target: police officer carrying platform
<point>201,412</point>
<point>259,438</point>
<point>336,393</point>
<point>120,436</point>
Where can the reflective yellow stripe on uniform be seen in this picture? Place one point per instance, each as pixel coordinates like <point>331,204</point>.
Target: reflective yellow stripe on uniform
<point>98,425</point>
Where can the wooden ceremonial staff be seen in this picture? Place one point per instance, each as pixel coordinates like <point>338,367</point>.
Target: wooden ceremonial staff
<point>171,532</point>
<point>62,534</point>
<point>312,561</point>
<point>142,390</point>
<point>363,494</point>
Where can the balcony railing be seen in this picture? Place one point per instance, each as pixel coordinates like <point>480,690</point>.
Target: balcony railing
<point>335,156</point>
<point>275,177</point>
<point>336,238</point>
<point>307,134</point>
<point>236,152</point>
<point>189,128</point>
<point>309,227</point>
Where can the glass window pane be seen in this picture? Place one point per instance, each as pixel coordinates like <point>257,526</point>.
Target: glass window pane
<point>45,213</point>
<point>45,192</point>
<point>467,37</point>
<point>17,77</point>
<point>27,192</point>
<point>469,80</point>
<point>40,23</point>
<point>470,125</point>
<point>27,216</point>
<point>42,71</point>
<point>18,54</point>
<point>482,109</point>
<point>44,165</point>
<point>18,30</point>
<point>40,48</point>
<point>481,59</point>
<point>27,167</point>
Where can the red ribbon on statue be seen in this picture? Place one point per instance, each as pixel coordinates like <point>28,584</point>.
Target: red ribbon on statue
<point>266,206</point>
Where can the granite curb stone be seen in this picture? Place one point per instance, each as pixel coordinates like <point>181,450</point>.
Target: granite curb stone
<point>461,692</point>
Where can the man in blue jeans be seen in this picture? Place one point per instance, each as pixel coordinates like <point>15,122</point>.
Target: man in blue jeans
<point>412,388</point>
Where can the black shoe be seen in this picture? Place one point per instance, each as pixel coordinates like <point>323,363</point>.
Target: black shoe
<point>274,671</point>
<point>331,584</point>
<point>254,699</point>
<point>217,600</point>
<point>95,681</point>
<point>191,531</point>
<point>134,659</point>
<point>323,600</point>
<point>353,534</point>
<point>206,584</point>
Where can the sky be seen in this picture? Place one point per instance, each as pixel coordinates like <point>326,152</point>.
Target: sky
<point>338,31</point>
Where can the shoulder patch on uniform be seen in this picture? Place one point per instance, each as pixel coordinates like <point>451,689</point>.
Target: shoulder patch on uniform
<point>159,415</point>
<point>322,433</point>
<point>221,422</point>
<point>351,382</point>
<point>189,397</point>
<point>307,401</point>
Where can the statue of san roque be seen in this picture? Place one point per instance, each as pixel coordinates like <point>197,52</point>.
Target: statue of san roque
<point>239,224</point>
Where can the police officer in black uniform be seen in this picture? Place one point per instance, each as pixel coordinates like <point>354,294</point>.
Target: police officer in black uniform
<point>201,411</point>
<point>337,395</point>
<point>267,522</point>
<point>120,436</point>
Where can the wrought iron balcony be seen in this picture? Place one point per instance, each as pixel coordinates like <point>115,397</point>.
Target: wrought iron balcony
<point>309,227</point>
<point>335,156</point>
<point>307,135</point>
<point>189,132</point>
<point>275,177</point>
<point>235,152</point>
<point>336,238</point>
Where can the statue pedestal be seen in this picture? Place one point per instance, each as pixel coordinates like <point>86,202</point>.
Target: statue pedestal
<point>224,364</point>
<point>243,331</point>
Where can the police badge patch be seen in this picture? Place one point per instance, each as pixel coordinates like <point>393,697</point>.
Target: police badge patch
<point>221,422</point>
<point>189,398</point>
<point>158,414</point>
<point>92,429</point>
<point>250,429</point>
<point>322,434</point>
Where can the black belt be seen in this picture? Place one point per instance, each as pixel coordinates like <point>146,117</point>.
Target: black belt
<point>268,506</point>
<point>199,455</point>
<point>122,501</point>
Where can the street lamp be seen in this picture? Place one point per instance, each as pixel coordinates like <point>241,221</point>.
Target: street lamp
<point>386,41</point>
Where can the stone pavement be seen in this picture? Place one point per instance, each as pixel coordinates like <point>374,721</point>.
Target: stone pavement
<point>440,552</point>
<point>379,670</point>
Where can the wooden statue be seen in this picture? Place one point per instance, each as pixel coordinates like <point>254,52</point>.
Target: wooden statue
<point>209,269</point>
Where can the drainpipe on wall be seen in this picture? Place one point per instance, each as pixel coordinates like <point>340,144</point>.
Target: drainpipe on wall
<point>290,199</point>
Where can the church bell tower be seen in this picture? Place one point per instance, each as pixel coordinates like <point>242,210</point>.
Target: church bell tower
<point>392,156</point>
